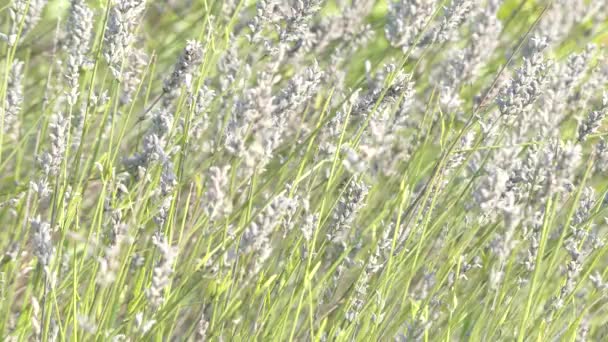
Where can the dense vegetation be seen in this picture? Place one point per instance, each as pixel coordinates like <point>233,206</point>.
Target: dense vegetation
<point>311,170</point>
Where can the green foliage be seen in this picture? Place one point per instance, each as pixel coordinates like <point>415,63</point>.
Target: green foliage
<point>211,182</point>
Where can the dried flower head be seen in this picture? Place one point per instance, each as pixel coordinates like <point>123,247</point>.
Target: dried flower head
<point>186,66</point>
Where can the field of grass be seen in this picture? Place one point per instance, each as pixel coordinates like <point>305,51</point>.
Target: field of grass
<point>303,170</point>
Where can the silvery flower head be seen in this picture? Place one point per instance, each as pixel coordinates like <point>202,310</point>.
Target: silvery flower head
<point>566,157</point>
<point>490,191</point>
<point>41,240</point>
<point>577,65</point>
<point>162,121</point>
<point>153,151</point>
<point>14,97</point>
<point>298,17</point>
<point>347,209</point>
<point>119,35</point>
<point>161,275</point>
<point>50,161</point>
<point>27,11</point>
<point>267,12</point>
<point>454,16</point>
<point>168,179</point>
<point>592,122</point>
<point>132,74</point>
<point>218,203</point>
<point>299,89</point>
<point>79,31</point>
<point>527,84</point>
<point>585,206</point>
<point>352,161</point>
<point>406,19</point>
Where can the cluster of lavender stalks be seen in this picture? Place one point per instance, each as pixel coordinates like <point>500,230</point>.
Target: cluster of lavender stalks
<point>310,170</point>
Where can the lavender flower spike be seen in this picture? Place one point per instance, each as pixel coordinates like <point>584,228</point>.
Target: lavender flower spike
<point>184,70</point>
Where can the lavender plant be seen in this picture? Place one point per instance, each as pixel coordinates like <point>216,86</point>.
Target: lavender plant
<point>302,170</point>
